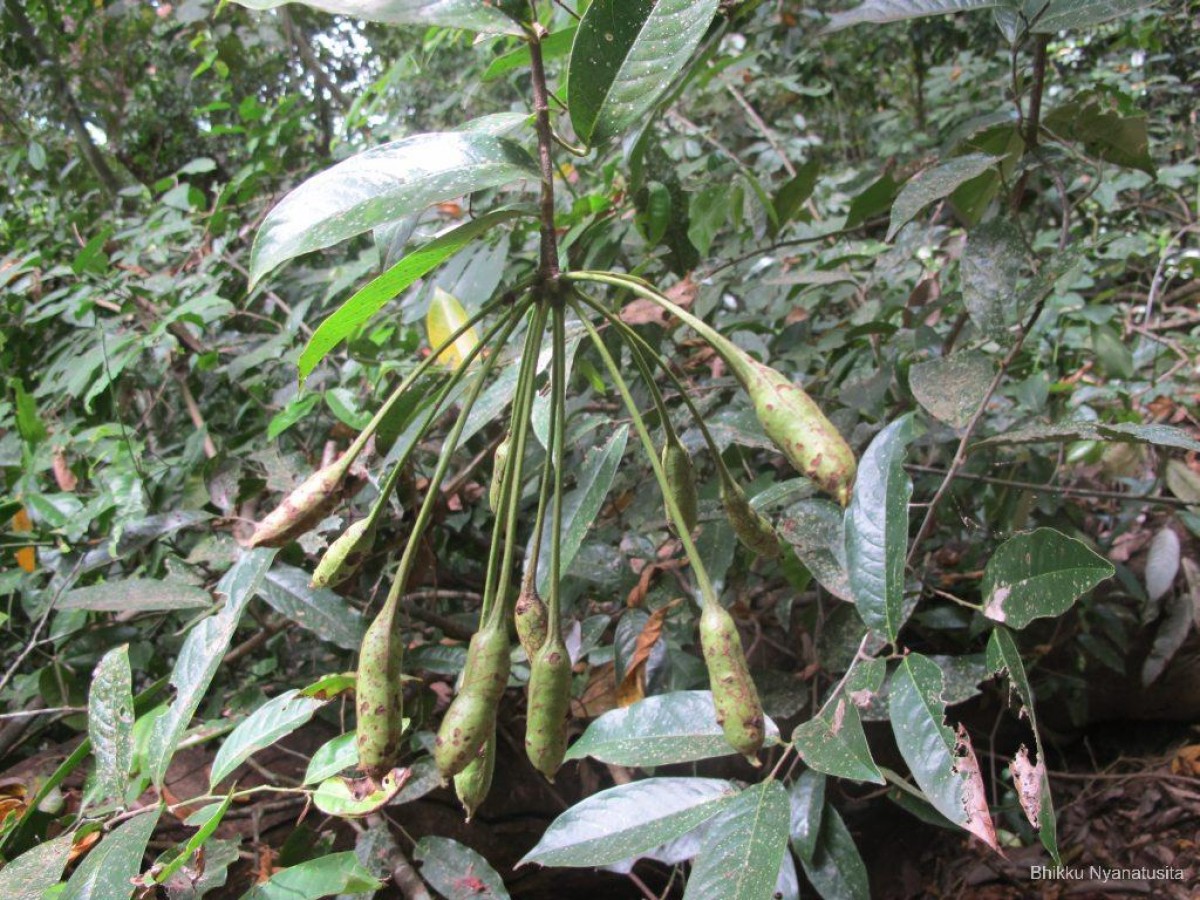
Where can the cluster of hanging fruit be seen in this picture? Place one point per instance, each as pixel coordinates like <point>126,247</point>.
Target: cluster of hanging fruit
<point>465,746</point>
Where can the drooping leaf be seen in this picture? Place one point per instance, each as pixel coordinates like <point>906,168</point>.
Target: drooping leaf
<point>876,530</point>
<point>275,719</point>
<point>456,871</point>
<point>807,797</point>
<point>201,655</point>
<point>625,54</point>
<point>833,742</point>
<point>1171,633</point>
<point>942,763</point>
<point>380,185</point>
<point>935,183</point>
<point>991,265</point>
<point>354,798</point>
<point>332,757</point>
<point>582,505</point>
<point>749,838</point>
<point>445,316</point>
<point>323,612</point>
<point>1159,435</point>
<point>1039,574</point>
<point>473,15</point>
<point>1162,563</point>
<point>338,873</point>
<point>667,728</point>
<point>628,820</point>
<point>137,595</point>
<point>369,299</point>
<point>35,871</point>
<point>879,12</point>
<point>110,724</point>
<point>108,870</point>
<point>836,869</point>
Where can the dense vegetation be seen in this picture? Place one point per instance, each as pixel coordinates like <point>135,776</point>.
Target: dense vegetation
<point>532,289</point>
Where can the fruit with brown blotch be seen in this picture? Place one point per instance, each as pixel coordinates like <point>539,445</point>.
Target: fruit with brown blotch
<point>379,696</point>
<point>343,557</point>
<point>530,616</point>
<point>471,718</point>
<point>751,527</point>
<point>549,703</point>
<point>681,482</point>
<point>472,784</point>
<point>302,509</point>
<point>739,711</point>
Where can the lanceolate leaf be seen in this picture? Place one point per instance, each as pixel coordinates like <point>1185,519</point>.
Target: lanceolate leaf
<point>456,871</point>
<point>368,300</point>
<point>35,871</point>
<point>668,728</point>
<point>1039,574</point>
<point>1160,435</point>
<point>582,505</point>
<point>380,185</point>
<point>331,758</point>
<point>201,655</point>
<point>944,769</point>
<point>628,820</point>
<point>106,872</point>
<point>286,590</point>
<point>110,723</point>
<point>876,530</point>
<point>273,720</point>
<point>316,878</point>
<point>1004,657</point>
<point>626,53</point>
<point>807,797</point>
<point>935,183</point>
<point>749,839</point>
<point>833,742</point>
<point>836,869</point>
<point>137,595</point>
<point>473,15</point>
<point>880,11</point>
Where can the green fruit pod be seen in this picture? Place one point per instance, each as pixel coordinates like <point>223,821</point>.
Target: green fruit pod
<point>499,464</point>
<point>739,711</point>
<point>681,483</point>
<point>752,528</point>
<point>473,783</point>
<point>379,696</point>
<point>345,555</point>
<point>549,703</point>
<point>302,509</point>
<point>796,425</point>
<point>531,617</point>
<point>471,718</point>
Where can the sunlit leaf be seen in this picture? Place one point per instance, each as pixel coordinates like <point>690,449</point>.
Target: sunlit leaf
<point>445,316</point>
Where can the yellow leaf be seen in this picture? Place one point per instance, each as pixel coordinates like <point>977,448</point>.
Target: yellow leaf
<point>446,315</point>
<point>26,556</point>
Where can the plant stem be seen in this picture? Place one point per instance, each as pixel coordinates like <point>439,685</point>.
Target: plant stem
<point>558,406</point>
<point>548,265</point>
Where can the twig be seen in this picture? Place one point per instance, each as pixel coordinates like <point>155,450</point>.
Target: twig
<point>46,711</point>
<point>762,128</point>
<point>197,417</point>
<point>37,629</point>
<point>548,246</point>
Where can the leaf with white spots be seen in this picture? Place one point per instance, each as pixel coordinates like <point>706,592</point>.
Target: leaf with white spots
<point>473,15</point>
<point>833,742</point>
<point>836,868</point>
<point>935,183</point>
<point>750,838</point>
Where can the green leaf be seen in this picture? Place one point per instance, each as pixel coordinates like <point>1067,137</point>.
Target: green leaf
<point>991,265</point>
<point>273,720</point>
<point>874,199</point>
<point>338,873</point>
<point>815,528</point>
<point>200,657</point>
<point>952,387</point>
<point>628,820</point>
<point>1003,656</point>
<point>205,828</point>
<point>582,505</point>
<point>1159,435</point>
<point>323,612</point>
<point>136,595</point>
<point>933,184</point>
<point>876,530</point>
<point>1039,574</point>
<point>1104,132</point>
<point>833,742</point>
<point>473,15</point>
<point>332,757</point>
<point>110,724</point>
<point>807,797</point>
<point>879,12</point>
<point>456,871</point>
<point>554,46</point>
<point>836,869</point>
<point>625,55</point>
<point>368,300</point>
<point>108,870</point>
<point>382,184</point>
<point>354,798</point>
<point>943,763</point>
<point>29,421</point>
<point>749,839</point>
<point>35,871</point>
<point>1061,15</point>
<point>667,728</point>
<point>790,198</point>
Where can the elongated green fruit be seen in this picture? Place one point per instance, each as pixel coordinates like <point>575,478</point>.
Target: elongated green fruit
<point>471,718</point>
<point>681,480</point>
<point>739,710</point>
<point>499,463</point>
<point>796,425</point>
<point>549,703</point>
<point>530,617</point>
<point>379,694</point>
<point>345,555</point>
<point>473,783</point>
<point>751,527</point>
<point>302,508</point>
